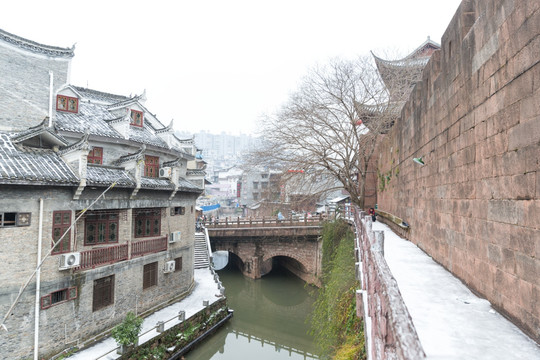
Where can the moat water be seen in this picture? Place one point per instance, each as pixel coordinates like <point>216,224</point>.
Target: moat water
<point>269,319</point>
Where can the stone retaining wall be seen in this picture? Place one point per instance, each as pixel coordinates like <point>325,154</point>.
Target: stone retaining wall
<point>475,120</point>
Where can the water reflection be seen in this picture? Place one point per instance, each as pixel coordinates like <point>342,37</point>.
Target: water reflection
<point>269,319</point>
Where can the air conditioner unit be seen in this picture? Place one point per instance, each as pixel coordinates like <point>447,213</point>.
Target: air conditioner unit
<point>174,237</point>
<point>169,267</point>
<point>165,172</point>
<point>70,260</point>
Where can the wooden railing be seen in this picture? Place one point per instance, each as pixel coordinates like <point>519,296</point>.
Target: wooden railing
<point>144,247</point>
<point>103,256</point>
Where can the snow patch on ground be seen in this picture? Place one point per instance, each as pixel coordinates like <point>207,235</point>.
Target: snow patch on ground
<point>452,322</point>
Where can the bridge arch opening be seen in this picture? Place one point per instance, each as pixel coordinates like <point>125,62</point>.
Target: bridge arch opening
<point>235,261</point>
<point>286,262</point>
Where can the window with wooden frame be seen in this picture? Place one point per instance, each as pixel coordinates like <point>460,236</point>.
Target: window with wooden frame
<point>147,222</point>
<point>150,275</point>
<point>58,297</point>
<point>178,264</point>
<point>103,293</point>
<point>61,223</point>
<point>178,210</point>
<point>100,228</point>
<point>95,156</point>
<point>151,166</point>
<point>67,103</point>
<point>10,219</point>
<point>137,118</point>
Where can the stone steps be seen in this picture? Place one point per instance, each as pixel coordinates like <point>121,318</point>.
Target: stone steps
<point>200,260</point>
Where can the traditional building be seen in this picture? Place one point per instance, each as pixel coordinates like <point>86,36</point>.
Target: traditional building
<point>95,189</point>
<point>399,78</point>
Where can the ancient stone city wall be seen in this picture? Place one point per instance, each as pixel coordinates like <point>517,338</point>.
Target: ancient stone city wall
<point>475,120</point>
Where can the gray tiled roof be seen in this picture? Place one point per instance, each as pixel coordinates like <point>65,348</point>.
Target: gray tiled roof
<point>155,183</point>
<point>36,47</point>
<point>143,136</point>
<point>105,176</point>
<point>21,165</point>
<point>38,130</point>
<point>99,95</point>
<point>184,185</point>
<point>90,117</point>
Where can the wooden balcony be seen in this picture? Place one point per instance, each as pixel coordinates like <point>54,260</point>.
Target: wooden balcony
<point>144,247</point>
<point>115,253</point>
<point>103,256</point>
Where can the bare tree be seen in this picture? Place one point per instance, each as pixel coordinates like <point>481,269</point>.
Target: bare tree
<point>321,129</point>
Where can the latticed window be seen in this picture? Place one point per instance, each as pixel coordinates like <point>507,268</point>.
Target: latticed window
<point>61,223</point>
<point>8,219</point>
<point>151,166</point>
<point>150,275</point>
<point>137,118</point>
<point>147,222</point>
<point>103,292</point>
<point>58,297</point>
<point>101,228</point>
<point>67,103</point>
<point>95,156</point>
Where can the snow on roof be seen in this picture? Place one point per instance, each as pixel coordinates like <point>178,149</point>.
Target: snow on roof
<point>35,47</point>
<point>339,199</point>
<point>23,165</point>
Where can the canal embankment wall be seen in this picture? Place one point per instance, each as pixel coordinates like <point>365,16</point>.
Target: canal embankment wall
<point>474,118</point>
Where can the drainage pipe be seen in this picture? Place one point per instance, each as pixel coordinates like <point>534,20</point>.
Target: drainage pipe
<point>38,276</point>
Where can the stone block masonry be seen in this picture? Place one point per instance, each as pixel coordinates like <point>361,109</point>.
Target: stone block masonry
<point>475,120</point>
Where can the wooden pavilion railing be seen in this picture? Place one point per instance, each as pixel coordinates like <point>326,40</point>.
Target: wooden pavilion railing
<point>103,256</point>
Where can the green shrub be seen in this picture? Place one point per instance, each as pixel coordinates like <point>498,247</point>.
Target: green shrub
<point>127,332</point>
<point>334,324</point>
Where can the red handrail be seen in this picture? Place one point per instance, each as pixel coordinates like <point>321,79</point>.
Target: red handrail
<point>148,246</point>
<point>102,256</point>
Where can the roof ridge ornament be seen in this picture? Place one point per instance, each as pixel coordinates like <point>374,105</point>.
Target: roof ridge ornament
<point>81,144</point>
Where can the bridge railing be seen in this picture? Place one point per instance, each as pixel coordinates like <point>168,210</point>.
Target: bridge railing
<point>270,221</point>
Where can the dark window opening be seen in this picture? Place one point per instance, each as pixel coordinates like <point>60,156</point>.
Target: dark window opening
<point>150,275</point>
<point>178,264</point>
<point>178,210</point>
<point>103,293</point>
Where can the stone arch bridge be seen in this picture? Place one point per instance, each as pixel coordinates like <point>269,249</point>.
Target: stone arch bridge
<point>258,245</point>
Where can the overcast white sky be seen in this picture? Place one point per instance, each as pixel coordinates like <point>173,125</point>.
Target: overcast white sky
<point>218,65</point>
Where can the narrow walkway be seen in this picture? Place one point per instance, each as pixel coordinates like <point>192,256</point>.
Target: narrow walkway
<point>205,289</point>
<point>451,322</point>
